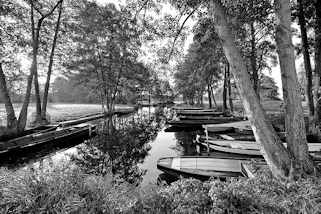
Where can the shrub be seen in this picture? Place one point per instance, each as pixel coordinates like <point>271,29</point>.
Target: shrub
<point>265,194</point>
<point>61,190</point>
<point>183,196</point>
<point>66,189</point>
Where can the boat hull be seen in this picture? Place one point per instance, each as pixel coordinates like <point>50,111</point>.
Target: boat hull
<point>201,172</point>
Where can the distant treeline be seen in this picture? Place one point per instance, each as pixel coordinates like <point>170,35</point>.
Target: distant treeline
<point>63,90</point>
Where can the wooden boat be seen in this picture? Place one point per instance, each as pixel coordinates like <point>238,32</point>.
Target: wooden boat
<point>240,151</point>
<point>199,112</point>
<point>226,136</point>
<point>118,112</point>
<point>205,117</point>
<point>201,167</point>
<point>243,125</point>
<point>247,147</point>
<point>38,129</point>
<point>182,108</point>
<point>81,131</point>
<point>217,120</point>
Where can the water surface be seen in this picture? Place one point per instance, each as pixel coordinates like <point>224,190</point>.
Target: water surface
<point>127,147</point>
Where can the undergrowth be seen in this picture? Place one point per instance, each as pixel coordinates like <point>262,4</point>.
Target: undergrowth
<point>64,189</point>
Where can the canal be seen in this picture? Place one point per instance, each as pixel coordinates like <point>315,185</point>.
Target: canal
<point>127,147</point>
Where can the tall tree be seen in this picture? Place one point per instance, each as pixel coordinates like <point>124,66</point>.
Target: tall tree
<point>51,59</point>
<point>317,58</point>
<point>294,121</point>
<point>35,31</point>
<point>277,157</point>
<point>306,55</point>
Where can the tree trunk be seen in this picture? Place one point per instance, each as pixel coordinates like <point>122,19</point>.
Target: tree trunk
<point>225,90</point>
<point>35,49</point>
<point>276,156</point>
<point>46,91</point>
<point>294,118</point>
<point>317,58</point>
<point>22,121</point>
<point>306,56</point>
<point>229,88</point>
<point>255,75</point>
<point>209,96</point>
<point>37,93</point>
<point>11,116</point>
<point>213,96</point>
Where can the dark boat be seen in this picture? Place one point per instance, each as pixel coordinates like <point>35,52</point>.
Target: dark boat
<point>58,135</point>
<point>201,167</point>
<point>199,113</point>
<point>38,129</point>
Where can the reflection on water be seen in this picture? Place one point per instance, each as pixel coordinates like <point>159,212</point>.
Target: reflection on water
<point>128,147</point>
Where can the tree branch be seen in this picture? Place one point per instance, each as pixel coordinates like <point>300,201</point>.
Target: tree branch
<point>43,16</point>
<point>179,32</point>
<point>140,9</point>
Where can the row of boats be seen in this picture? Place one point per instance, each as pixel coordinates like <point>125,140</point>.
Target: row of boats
<point>230,145</point>
<point>76,130</point>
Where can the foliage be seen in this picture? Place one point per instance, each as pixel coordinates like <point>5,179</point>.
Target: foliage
<point>106,55</point>
<point>62,189</point>
<point>268,88</point>
<point>201,65</point>
<point>69,91</point>
<point>183,196</point>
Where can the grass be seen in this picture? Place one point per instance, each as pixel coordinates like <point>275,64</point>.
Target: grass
<point>66,189</point>
<point>59,111</point>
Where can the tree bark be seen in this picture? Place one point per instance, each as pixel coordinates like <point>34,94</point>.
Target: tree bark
<point>255,75</point>
<point>52,53</point>
<point>229,88</point>
<point>276,156</point>
<point>225,90</point>
<point>306,56</point>
<point>317,58</point>
<point>11,116</point>
<point>209,96</point>
<point>294,118</point>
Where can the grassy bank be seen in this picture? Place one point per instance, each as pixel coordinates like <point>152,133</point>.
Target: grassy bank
<point>60,111</point>
<point>68,190</point>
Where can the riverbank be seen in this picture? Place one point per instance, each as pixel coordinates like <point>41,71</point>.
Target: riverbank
<point>61,111</point>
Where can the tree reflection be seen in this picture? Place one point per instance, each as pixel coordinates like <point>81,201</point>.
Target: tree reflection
<point>185,142</point>
<point>120,145</point>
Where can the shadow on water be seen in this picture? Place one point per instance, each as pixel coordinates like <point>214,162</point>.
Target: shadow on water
<point>120,146</point>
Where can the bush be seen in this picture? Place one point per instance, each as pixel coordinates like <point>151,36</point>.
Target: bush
<point>183,196</point>
<point>264,194</point>
<point>63,189</point>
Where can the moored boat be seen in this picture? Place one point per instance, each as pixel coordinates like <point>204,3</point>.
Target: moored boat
<point>217,120</point>
<point>247,147</point>
<point>21,144</point>
<point>201,167</point>
<point>237,126</point>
